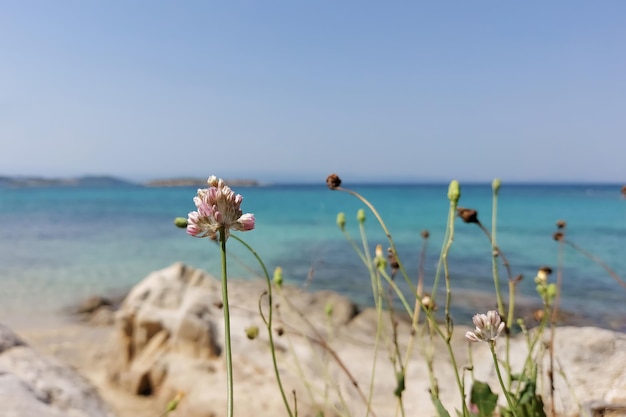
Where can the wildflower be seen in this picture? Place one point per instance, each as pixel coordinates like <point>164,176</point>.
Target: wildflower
<point>218,207</point>
<point>488,327</point>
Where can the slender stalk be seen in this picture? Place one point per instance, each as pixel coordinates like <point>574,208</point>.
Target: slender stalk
<point>598,261</point>
<point>385,230</point>
<point>446,272</point>
<point>269,322</point>
<point>492,346</point>
<point>494,254</point>
<point>227,346</point>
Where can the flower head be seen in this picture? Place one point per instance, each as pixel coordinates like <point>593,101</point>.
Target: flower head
<point>488,327</point>
<point>217,207</point>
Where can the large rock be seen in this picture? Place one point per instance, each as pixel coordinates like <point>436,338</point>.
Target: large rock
<point>32,385</point>
<point>169,339</point>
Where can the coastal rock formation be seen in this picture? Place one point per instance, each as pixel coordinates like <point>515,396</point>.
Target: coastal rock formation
<point>168,338</point>
<point>32,385</point>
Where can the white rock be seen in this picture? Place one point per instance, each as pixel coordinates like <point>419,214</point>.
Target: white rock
<point>37,386</point>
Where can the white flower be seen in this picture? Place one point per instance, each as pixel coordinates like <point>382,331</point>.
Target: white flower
<point>488,327</point>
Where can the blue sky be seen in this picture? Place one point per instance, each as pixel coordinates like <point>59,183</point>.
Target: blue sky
<point>294,90</point>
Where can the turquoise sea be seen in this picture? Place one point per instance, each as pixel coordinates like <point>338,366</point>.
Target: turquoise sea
<point>58,245</point>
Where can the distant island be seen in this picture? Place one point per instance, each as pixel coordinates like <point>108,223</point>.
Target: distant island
<point>86,181</point>
<point>198,182</point>
<point>108,181</point>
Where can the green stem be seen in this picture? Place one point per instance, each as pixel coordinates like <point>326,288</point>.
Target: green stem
<point>269,322</point>
<point>492,346</point>
<point>385,230</point>
<point>229,357</point>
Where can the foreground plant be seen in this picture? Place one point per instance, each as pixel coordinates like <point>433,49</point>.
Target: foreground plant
<point>218,210</point>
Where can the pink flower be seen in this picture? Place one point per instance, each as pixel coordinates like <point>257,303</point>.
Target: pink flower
<point>217,207</point>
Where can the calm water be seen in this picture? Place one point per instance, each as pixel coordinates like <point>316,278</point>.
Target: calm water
<point>58,245</point>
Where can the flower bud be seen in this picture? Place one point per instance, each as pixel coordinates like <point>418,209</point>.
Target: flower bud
<point>542,275</point>
<point>454,192</point>
<point>341,220</point>
<point>180,222</point>
<point>252,332</point>
<point>379,260</point>
<point>495,185</point>
<point>278,276</point>
<point>360,216</point>
<point>328,309</point>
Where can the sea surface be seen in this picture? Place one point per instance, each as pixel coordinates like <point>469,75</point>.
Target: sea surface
<point>60,245</point>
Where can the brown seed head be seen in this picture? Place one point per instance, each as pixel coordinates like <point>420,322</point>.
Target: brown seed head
<point>425,234</point>
<point>468,215</point>
<point>393,261</point>
<point>558,236</point>
<point>280,331</point>
<point>561,224</point>
<point>333,181</point>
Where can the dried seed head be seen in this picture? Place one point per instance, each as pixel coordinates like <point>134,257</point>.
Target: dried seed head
<point>561,224</point>
<point>280,331</point>
<point>333,181</point>
<point>393,261</point>
<point>425,234</point>
<point>468,215</point>
<point>558,236</point>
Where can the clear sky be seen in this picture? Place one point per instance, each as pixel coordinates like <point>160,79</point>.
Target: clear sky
<point>294,90</point>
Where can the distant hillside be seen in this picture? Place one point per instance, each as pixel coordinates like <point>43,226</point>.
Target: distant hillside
<point>86,181</point>
<point>198,182</point>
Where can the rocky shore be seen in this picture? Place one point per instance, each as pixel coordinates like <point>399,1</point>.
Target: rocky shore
<point>166,338</point>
